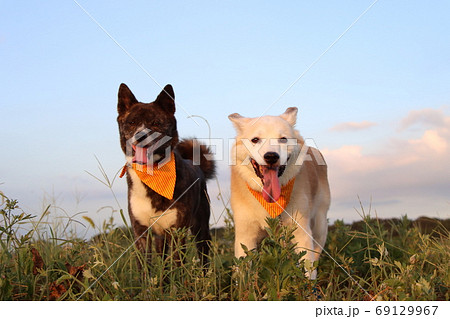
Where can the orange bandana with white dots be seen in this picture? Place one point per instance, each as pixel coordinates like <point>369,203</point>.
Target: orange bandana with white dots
<point>276,208</point>
<point>160,179</point>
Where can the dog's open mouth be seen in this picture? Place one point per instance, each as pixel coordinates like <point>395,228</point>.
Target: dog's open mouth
<point>149,147</point>
<point>269,175</point>
<point>147,155</point>
<point>140,155</point>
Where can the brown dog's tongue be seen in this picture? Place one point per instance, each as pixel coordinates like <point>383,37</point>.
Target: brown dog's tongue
<point>271,190</point>
<point>140,155</point>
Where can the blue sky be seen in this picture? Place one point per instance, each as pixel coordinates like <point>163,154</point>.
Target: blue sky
<point>377,103</point>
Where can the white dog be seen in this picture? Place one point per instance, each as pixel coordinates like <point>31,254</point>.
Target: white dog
<point>276,174</point>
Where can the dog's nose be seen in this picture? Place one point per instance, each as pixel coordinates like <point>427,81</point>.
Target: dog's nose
<point>271,157</point>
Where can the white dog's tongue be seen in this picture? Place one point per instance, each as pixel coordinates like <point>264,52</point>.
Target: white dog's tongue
<point>271,190</point>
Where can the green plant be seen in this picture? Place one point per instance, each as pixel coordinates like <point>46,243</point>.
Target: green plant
<point>273,271</point>
<point>396,259</point>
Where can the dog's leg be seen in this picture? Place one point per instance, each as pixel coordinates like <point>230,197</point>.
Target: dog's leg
<point>202,241</point>
<point>247,242</point>
<point>200,227</point>
<point>177,247</point>
<point>143,244</point>
<point>320,230</point>
<point>304,240</point>
<point>248,234</point>
<point>161,245</point>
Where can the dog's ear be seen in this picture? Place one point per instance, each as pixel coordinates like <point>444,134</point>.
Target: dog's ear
<point>126,99</point>
<point>238,121</point>
<point>290,115</point>
<point>166,99</point>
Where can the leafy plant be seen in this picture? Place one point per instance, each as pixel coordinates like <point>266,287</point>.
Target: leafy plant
<point>372,259</point>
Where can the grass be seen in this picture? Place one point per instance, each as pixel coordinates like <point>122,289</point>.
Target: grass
<point>396,259</point>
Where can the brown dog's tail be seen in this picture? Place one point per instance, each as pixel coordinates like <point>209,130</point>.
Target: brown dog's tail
<point>195,151</point>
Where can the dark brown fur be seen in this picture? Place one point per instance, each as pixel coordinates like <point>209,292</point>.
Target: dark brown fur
<point>193,209</point>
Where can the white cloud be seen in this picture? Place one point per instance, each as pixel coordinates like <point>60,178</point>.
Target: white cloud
<point>426,117</point>
<point>402,170</point>
<point>431,141</point>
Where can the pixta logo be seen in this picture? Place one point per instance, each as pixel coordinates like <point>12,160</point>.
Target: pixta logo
<point>146,150</point>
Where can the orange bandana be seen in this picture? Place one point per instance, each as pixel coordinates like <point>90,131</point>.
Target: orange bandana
<point>160,179</point>
<point>275,209</point>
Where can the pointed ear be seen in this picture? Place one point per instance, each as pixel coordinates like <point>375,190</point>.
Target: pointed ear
<point>126,99</point>
<point>290,115</point>
<point>166,99</point>
<point>238,121</point>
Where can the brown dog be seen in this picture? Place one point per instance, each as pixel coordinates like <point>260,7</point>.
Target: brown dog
<point>165,189</point>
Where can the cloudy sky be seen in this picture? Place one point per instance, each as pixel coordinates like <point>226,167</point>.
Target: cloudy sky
<point>372,83</point>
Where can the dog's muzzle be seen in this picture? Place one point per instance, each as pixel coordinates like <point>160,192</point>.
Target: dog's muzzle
<point>269,175</point>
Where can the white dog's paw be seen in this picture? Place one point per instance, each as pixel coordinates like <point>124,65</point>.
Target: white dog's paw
<point>311,275</point>
<point>310,270</point>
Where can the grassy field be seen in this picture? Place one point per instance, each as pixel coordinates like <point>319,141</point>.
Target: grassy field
<point>373,259</point>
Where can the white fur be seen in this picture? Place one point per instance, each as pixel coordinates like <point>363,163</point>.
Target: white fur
<point>307,209</point>
<point>143,210</point>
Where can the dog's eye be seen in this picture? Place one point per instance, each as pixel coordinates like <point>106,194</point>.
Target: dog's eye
<point>282,140</point>
<point>255,140</point>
